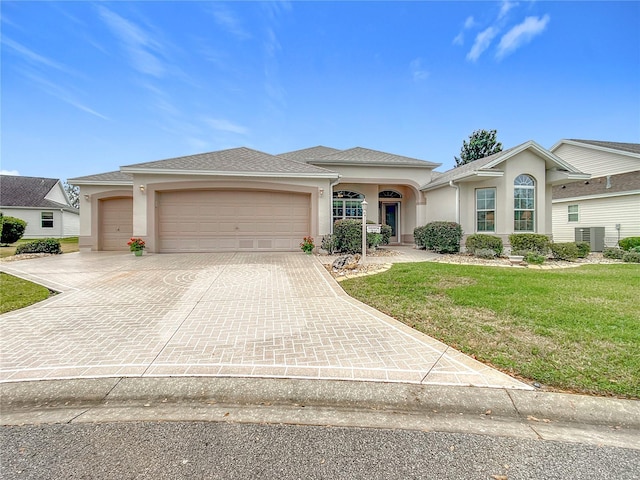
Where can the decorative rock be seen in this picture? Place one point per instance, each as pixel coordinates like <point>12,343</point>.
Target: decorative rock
<point>348,262</point>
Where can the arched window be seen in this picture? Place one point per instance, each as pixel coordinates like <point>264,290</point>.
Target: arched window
<point>347,204</point>
<point>524,204</point>
<point>389,194</point>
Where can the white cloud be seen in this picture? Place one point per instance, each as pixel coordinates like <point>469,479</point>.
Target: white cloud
<point>229,21</point>
<point>418,71</point>
<point>224,125</point>
<point>521,34</point>
<point>140,45</point>
<point>13,173</point>
<point>33,57</point>
<point>482,42</point>
<point>505,7</point>
<point>469,22</point>
<point>459,39</point>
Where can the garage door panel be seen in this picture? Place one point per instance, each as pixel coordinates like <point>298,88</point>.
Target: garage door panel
<point>116,223</point>
<point>220,220</point>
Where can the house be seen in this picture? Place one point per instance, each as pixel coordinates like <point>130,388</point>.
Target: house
<point>42,203</point>
<point>245,200</point>
<point>605,208</point>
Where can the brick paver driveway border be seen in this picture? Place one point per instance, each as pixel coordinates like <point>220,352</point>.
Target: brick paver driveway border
<point>227,314</point>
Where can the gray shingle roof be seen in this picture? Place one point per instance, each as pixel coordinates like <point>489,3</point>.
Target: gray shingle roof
<point>16,191</point>
<point>624,147</point>
<point>365,156</point>
<point>308,154</point>
<point>235,160</point>
<point>468,168</point>
<point>117,176</point>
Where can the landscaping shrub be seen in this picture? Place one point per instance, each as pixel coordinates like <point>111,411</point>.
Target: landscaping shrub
<point>44,245</point>
<point>631,257</point>
<point>635,249</point>
<point>529,242</point>
<point>584,249</point>
<point>419,236</point>
<point>347,236</point>
<point>485,253</point>
<point>629,242</point>
<point>443,237</point>
<point>613,252</point>
<point>385,231</point>
<point>565,251</point>
<point>328,243</point>
<point>534,258</point>
<point>483,241</point>
<point>12,230</point>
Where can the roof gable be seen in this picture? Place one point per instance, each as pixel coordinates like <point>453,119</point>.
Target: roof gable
<point>365,156</point>
<point>485,166</point>
<point>111,178</point>
<point>31,192</point>
<point>235,161</point>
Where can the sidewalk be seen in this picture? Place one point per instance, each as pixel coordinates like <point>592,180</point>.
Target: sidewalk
<point>482,411</point>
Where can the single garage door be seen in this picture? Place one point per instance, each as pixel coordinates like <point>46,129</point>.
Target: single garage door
<point>116,223</point>
<point>232,220</point>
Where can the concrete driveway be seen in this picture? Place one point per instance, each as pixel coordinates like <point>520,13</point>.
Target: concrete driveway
<point>227,314</point>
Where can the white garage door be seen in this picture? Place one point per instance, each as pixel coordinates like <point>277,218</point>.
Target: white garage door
<point>232,220</point>
<point>116,223</point>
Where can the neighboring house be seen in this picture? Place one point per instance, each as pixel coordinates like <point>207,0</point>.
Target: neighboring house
<point>42,203</point>
<point>245,200</point>
<point>606,207</point>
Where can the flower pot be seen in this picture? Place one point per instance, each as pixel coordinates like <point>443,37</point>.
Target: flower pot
<point>137,253</point>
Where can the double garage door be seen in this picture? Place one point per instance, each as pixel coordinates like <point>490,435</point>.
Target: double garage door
<point>231,220</point>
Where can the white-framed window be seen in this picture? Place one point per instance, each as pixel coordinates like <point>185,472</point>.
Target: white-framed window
<point>46,219</point>
<point>389,194</point>
<point>524,204</point>
<point>572,213</point>
<point>347,204</point>
<point>486,210</point>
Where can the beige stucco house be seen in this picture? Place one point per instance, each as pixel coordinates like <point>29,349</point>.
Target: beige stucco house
<point>606,207</point>
<point>245,200</point>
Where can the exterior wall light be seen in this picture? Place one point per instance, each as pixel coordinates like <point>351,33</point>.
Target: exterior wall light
<point>321,190</point>
<point>87,197</point>
<point>142,188</point>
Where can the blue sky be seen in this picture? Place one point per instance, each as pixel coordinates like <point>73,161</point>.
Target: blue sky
<point>90,86</point>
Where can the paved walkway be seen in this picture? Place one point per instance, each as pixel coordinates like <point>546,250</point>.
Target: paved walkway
<point>235,314</point>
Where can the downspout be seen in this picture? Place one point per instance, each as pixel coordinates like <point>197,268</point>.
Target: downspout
<point>453,185</point>
<point>331,185</point>
<point>62,223</point>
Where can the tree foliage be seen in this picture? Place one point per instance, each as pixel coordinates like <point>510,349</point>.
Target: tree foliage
<point>482,143</point>
<point>12,230</point>
<point>73,192</point>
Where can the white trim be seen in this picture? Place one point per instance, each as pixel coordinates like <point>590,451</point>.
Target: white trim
<point>119,183</point>
<point>592,197</point>
<point>158,171</point>
<point>594,147</point>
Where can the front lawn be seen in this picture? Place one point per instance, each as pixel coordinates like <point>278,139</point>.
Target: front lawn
<point>575,329</point>
<point>68,245</point>
<point>16,293</point>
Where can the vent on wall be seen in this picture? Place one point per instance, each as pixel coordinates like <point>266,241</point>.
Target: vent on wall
<point>594,236</point>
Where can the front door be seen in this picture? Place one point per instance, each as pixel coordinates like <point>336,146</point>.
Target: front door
<point>390,216</point>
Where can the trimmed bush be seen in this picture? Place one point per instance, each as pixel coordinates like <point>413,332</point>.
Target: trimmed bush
<point>613,252</point>
<point>482,241</point>
<point>485,253</point>
<point>629,242</point>
<point>12,230</point>
<point>374,240</point>
<point>328,243</point>
<point>420,236</point>
<point>529,242</point>
<point>347,237</point>
<point>45,245</point>
<point>631,257</point>
<point>584,249</point>
<point>534,258</point>
<point>565,251</point>
<point>443,237</point>
<point>635,249</point>
<point>385,231</point>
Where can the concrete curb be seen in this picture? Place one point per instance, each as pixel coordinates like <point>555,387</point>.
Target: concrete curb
<point>489,411</point>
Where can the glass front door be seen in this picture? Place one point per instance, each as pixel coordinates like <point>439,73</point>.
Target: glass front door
<point>390,214</point>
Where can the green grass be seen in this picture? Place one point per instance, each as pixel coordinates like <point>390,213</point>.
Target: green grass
<point>575,329</point>
<point>68,245</point>
<point>16,293</point>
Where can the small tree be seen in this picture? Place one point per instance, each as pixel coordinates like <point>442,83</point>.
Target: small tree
<point>482,143</point>
<point>73,192</point>
<point>12,230</point>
